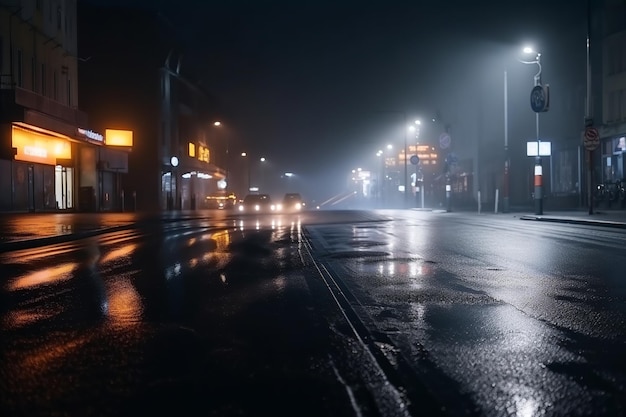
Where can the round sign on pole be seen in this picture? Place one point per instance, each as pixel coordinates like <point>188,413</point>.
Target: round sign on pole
<point>445,140</point>
<point>591,138</point>
<point>415,159</point>
<point>540,98</point>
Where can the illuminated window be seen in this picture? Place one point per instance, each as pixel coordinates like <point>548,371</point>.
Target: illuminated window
<point>203,154</point>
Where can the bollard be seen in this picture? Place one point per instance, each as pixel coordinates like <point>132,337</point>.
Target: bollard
<point>496,208</point>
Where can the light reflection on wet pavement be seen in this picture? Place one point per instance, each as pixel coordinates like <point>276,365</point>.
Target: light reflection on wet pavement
<point>228,316</point>
<point>481,317</point>
<point>167,321</point>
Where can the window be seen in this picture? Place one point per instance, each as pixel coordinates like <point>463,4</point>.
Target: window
<point>565,172</point>
<point>59,18</point>
<point>43,79</point>
<point>69,93</point>
<point>55,85</point>
<point>20,69</point>
<point>1,60</point>
<point>616,106</point>
<point>33,74</point>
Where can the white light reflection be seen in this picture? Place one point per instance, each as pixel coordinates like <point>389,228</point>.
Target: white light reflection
<point>173,271</point>
<point>407,269</point>
<point>525,407</point>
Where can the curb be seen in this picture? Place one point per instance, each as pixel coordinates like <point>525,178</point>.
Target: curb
<point>570,220</point>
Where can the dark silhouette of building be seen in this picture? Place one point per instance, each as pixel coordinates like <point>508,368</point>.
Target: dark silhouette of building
<point>133,79</point>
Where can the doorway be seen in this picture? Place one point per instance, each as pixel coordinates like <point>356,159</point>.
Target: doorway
<point>63,189</point>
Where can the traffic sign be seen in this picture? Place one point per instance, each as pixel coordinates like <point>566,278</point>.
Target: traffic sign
<point>415,159</point>
<point>540,98</point>
<point>445,140</point>
<point>591,138</point>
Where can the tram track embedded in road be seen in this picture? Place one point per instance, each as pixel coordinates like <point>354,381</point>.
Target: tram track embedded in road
<point>417,397</point>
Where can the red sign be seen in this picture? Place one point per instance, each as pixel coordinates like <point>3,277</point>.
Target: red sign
<point>591,139</point>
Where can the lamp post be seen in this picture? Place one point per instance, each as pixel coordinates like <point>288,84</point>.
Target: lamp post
<point>539,102</point>
<point>380,155</point>
<point>418,188</point>
<point>406,164</point>
<point>507,162</point>
<point>245,155</point>
<point>381,186</point>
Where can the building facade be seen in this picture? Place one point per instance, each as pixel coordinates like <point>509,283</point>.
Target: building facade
<point>50,159</point>
<point>610,104</point>
<point>134,80</point>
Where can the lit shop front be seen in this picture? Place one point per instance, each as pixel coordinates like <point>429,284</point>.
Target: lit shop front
<point>188,179</point>
<point>44,170</point>
<point>40,174</point>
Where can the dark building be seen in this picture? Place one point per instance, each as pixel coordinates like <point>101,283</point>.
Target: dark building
<point>132,79</point>
<point>50,158</point>
<point>608,104</point>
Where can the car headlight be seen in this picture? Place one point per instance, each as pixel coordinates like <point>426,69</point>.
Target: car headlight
<point>241,208</point>
<point>257,207</point>
<point>298,206</point>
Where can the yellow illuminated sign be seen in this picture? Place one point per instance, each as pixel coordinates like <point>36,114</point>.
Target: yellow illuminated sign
<point>192,150</point>
<point>115,137</point>
<point>204,154</point>
<point>36,147</point>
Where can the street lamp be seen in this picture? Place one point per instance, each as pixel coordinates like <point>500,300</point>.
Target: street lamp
<point>539,102</point>
<point>261,159</point>
<point>383,179</point>
<point>415,128</point>
<point>245,155</point>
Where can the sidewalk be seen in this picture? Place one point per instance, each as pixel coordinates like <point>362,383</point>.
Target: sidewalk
<point>606,218</point>
<point>601,217</point>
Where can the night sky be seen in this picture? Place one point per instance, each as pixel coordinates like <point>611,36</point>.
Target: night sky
<point>319,86</point>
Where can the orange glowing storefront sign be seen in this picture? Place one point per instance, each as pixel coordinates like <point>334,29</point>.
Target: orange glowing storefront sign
<point>204,154</point>
<point>37,147</point>
<point>115,137</point>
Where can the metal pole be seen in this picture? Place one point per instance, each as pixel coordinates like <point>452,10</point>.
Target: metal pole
<point>538,166</point>
<point>505,188</point>
<point>588,115</point>
<point>406,167</point>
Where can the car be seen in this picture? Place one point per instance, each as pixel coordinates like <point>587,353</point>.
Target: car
<point>292,202</point>
<point>257,203</point>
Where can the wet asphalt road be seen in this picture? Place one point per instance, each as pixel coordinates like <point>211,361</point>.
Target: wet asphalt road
<point>350,313</point>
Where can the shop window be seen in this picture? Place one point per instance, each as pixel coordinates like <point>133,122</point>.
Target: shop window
<point>620,144</point>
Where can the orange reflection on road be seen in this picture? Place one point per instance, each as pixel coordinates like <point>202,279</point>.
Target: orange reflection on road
<point>125,306</point>
<point>33,364</point>
<point>44,276</point>
<point>26,317</point>
<point>119,253</point>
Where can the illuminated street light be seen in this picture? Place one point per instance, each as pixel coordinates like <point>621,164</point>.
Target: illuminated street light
<point>539,102</point>
<point>382,176</point>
